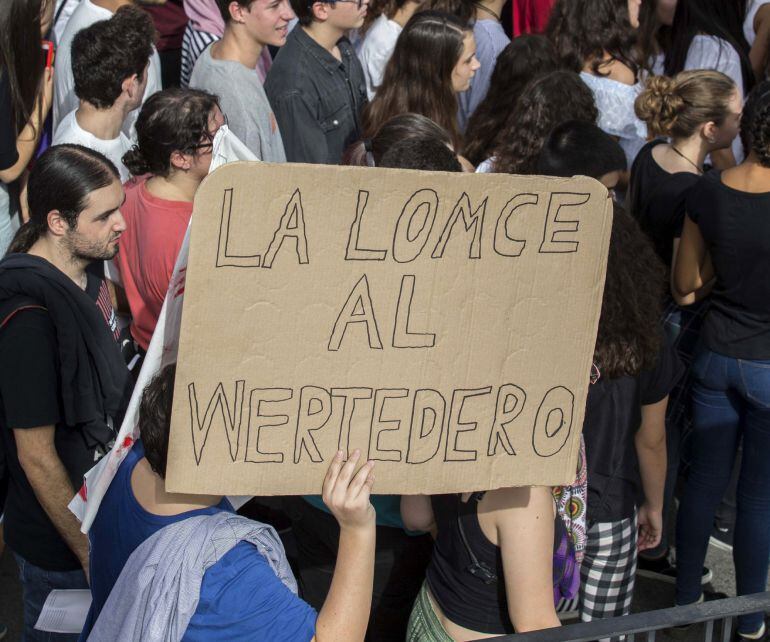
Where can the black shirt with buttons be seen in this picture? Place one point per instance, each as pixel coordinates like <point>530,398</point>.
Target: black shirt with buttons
<point>317,99</point>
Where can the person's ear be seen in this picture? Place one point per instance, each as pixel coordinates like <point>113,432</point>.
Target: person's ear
<point>57,224</point>
<point>320,11</point>
<point>236,12</point>
<point>181,161</point>
<point>710,132</point>
<point>130,85</point>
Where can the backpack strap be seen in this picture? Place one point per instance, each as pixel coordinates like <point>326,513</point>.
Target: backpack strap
<point>12,307</point>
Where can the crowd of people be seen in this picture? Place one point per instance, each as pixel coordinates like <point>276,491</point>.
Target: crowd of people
<point>107,128</point>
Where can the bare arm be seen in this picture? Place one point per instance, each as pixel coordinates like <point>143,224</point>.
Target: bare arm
<point>650,442</point>
<point>525,536</point>
<point>693,297</point>
<point>48,478</point>
<point>27,141</point>
<point>693,269</point>
<point>345,613</point>
<point>761,48</point>
<point>417,513</point>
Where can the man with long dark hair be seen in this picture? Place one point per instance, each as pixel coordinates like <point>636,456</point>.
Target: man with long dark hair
<point>63,383</point>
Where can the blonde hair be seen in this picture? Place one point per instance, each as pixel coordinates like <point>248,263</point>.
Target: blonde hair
<point>677,106</point>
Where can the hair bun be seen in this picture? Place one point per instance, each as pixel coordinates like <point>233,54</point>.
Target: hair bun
<point>135,162</point>
<point>659,105</point>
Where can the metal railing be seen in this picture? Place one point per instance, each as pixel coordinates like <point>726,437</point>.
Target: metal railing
<point>644,626</point>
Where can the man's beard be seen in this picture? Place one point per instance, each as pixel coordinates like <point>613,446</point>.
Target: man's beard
<point>89,250</point>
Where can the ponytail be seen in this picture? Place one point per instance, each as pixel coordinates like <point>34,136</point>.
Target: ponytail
<point>26,236</point>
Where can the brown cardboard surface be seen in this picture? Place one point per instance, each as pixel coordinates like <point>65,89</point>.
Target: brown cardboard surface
<point>442,323</point>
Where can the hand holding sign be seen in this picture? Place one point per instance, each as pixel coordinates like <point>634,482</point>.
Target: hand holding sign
<point>346,492</point>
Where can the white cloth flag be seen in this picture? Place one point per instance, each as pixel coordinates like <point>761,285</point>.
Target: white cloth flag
<point>162,351</point>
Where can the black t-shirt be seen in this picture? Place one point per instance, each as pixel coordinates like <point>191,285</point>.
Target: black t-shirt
<point>8,153</point>
<point>656,199</point>
<point>30,396</point>
<point>613,415</point>
<point>736,229</point>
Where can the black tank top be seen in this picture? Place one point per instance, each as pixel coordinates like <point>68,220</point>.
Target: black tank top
<point>465,575</point>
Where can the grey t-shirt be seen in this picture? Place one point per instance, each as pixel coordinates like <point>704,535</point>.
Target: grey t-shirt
<point>244,102</point>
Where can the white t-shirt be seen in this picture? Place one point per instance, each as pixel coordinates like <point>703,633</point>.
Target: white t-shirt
<point>486,166</point>
<point>70,131</point>
<point>65,99</point>
<point>615,103</point>
<point>748,24</point>
<point>710,52</point>
<point>376,50</point>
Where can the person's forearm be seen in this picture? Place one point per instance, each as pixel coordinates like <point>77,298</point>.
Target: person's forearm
<point>652,469</point>
<point>49,480</point>
<point>26,144</point>
<point>345,613</point>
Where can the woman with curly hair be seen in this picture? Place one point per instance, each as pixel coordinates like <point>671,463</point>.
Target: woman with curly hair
<point>597,38</point>
<point>634,370</point>
<point>527,57</point>
<point>545,102</point>
<point>434,60</point>
<point>726,238</point>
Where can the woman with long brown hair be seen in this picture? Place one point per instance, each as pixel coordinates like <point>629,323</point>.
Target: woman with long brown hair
<point>26,93</point>
<point>434,60</point>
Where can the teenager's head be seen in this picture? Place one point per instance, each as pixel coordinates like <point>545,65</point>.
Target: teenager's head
<point>74,196</point>
<point>545,103</point>
<point>175,132</point>
<point>629,336</point>
<point>434,58</point>
<point>703,102</point>
<point>22,63</point>
<point>155,418</point>
<point>342,15</point>
<point>525,58</point>
<point>464,10</point>
<point>427,154</point>
<point>755,124</point>
<point>584,31</point>
<point>580,148</point>
<point>110,58</point>
<point>720,18</point>
<point>367,153</point>
<point>264,21</point>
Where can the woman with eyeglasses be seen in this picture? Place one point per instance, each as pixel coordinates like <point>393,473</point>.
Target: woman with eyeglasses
<point>434,60</point>
<point>175,133</point>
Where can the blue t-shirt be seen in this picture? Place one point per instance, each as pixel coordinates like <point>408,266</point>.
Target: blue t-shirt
<point>240,598</point>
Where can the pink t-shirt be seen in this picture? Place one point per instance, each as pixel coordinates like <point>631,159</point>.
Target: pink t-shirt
<point>155,229</point>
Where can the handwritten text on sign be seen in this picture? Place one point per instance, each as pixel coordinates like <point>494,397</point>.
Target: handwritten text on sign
<point>442,323</point>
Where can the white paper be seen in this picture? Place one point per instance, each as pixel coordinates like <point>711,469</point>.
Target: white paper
<point>65,611</point>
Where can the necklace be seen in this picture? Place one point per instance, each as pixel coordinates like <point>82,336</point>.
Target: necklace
<point>700,171</point>
<point>488,10</point>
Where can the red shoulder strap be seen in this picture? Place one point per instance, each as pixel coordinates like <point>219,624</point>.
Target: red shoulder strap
<point>10,316</point>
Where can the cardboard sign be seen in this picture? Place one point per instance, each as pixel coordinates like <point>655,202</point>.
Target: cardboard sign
<point>442,323</point>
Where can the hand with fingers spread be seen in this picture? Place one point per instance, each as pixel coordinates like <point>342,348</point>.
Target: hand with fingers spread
<point>346,492</point>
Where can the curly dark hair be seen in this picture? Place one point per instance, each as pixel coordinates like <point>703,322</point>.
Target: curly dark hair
<point>755,123</point>
<point>545,103</point>
<point>172,120</point>
<point>108,52</point>
<point>630,332</point>
<point>155,418</point>
<point>525,58</point>
<point>582,31</point>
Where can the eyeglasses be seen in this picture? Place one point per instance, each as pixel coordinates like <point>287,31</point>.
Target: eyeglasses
<point>358,3</point>
<point>209,137</point>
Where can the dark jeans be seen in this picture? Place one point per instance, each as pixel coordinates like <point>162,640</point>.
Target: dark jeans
<point>36,584</point>
<point>399,567</point>
<point>731,400</point>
